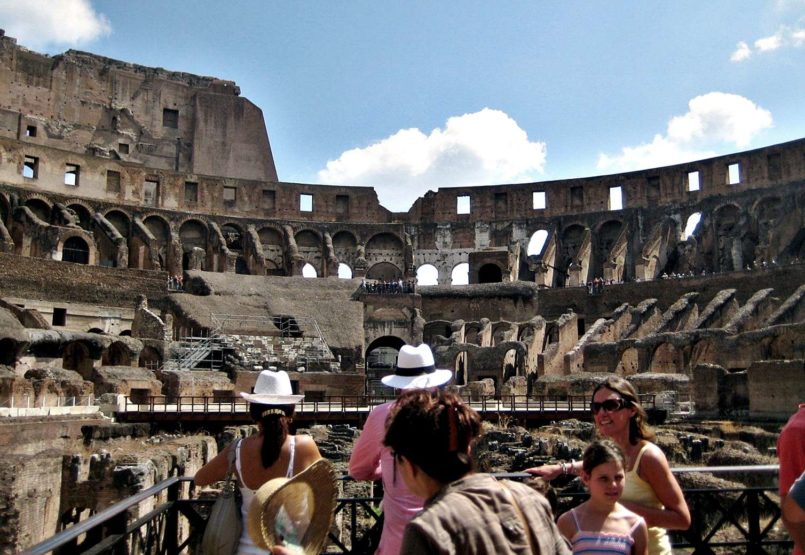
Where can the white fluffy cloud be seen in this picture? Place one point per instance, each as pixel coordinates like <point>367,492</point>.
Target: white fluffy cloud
<point>742,52</point>
<point>785,37</point>
<point>712,119</point>
<point>38,24</point>
<point>474,149</point>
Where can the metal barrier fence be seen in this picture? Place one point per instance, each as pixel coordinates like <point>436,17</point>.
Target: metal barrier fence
<point>353,403</point>
<point>733,520</point>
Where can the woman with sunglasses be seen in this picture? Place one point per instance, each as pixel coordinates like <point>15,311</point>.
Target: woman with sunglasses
<point>651,489</point>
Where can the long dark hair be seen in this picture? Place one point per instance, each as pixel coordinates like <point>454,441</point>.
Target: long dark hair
<point>638,423</point>
<point>274,419</point>
<point>433,429</point>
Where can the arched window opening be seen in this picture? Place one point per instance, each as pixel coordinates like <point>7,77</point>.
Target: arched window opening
<point>309,271</point>
<point>690,226</point>
<point>344,271</point>
<point>460,274</point>
<point>537,242</point>
<point>75,250</point>
<point>427,274</point>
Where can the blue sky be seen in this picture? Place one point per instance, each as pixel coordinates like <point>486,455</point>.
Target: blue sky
<point>411,96</point>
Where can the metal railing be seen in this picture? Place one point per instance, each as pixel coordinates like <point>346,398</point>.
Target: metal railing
<point>358,403</point>
<point>733,520</point>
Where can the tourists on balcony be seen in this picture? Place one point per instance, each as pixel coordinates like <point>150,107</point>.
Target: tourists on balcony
<point>270,453</point>
<point>430,435</point>
<point>651,489</point>
<point>371,460</point>
<point>601,524</point>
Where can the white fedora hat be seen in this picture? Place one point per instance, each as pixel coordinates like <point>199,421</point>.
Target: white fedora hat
<point>272,388</point>
<point>416,369</point>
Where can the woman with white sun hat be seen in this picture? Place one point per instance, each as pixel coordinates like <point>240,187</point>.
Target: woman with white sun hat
<point>270,453</point>
<point>371,460</point>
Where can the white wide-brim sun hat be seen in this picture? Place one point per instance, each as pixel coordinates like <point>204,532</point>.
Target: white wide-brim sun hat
<point>416,369</point>
<point>272,388</point>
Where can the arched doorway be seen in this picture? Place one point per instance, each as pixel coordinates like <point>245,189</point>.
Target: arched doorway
<point>381,356</point>
<point>75,250</point>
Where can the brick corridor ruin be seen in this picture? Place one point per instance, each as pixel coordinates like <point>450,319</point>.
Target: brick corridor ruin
<point>115,177</point>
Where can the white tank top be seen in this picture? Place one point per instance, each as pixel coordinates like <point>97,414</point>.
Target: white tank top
<point>246,546</point>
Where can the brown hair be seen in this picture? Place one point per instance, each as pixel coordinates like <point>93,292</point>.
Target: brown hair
<point>433,429</point>
<point>599,452</point>
<point>638,424</point>
<point>274,419</point>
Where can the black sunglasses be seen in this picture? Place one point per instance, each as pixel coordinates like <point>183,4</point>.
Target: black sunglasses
<point>610,405</point>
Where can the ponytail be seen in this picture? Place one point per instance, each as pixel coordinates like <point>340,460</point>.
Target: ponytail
<point>274,420</point>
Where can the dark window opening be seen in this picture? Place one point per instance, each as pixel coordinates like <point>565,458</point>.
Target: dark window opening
<point>190,192</point>
<point>577,198</point>
<point>501,204</point>
<point>30,167</point>
<point>123,148</point>
<point>490,273</point>
<point>653,189</point>
<point>59,317</point>
<point>268,200</point>
<point>342,205</point>
<point>75,250</point>
<point>71,172</point>
<point>30,131</point>
<point>580,326</point>
<point>112,181</point>
<point>288,326</point>
<point>775,163</point>
<point>170,118</point>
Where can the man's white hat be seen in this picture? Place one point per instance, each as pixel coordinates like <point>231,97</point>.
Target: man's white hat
<point>416,369</point>
<point>272,388</point>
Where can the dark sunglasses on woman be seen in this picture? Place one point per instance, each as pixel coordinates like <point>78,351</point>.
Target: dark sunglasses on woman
<point>610,405</point>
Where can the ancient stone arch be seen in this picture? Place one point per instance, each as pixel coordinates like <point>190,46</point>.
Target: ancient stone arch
<point>629,362</point>
<point>309,245</point>
<point>41,208</point>
<point>386,247</point>
<point>384,271</point>
<point>117,354</point>
<point>75,248</point>
<point>76,356</point>
<point>667,359</point>
<point>149,358</point>
<point>271,240</point>
<point>120,220</point>
<point>233,235</point>
<point>84,212</point>
<point>5,210</point>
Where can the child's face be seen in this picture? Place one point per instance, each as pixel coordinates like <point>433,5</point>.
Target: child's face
<point>606,481</point>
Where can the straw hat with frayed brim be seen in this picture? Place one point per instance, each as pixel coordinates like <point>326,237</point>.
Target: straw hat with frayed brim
<point>272,388</point>
<point>416,369</point>
<point>295,511</point>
